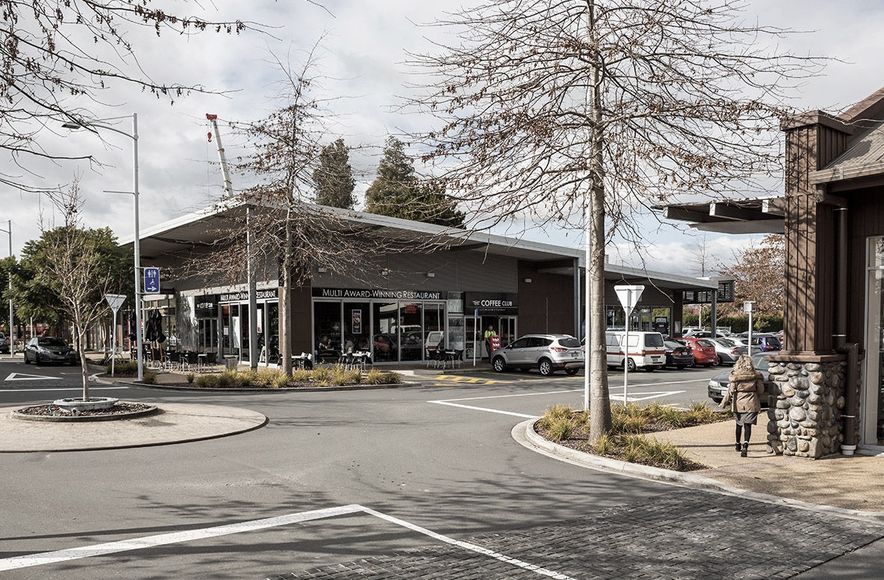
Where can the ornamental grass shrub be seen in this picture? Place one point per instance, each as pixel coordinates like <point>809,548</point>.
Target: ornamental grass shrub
<point>379,377</point>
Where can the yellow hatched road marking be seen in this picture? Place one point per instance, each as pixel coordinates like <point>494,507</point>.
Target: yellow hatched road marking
<point>463,379</point>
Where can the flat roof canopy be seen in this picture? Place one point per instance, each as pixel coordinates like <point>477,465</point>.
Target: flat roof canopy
<point>196,230</point>
<point>745,216</point>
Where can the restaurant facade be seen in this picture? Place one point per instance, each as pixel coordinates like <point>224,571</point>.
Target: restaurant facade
<point>405,303</point>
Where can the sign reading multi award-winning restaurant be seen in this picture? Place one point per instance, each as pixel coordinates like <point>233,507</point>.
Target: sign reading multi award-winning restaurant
<point>377,293</point>
<point>491,302</point>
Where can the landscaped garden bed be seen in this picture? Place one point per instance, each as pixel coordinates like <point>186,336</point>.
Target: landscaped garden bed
<point>628,440</point>
<point>320,377</point>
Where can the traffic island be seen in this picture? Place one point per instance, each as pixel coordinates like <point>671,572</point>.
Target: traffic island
<point>77,410</point>
<point>171,423</point>
<point>631,437</point>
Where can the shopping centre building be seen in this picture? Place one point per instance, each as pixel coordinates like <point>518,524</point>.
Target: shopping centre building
<point>467,283</point>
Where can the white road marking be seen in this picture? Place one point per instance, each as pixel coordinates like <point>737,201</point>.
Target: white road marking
<point>48,390</point>
<point>25,377</point>
<point>485,409</point>
<point>18,562</point>
<point>507,396</point>
<point>469,546</point>
<point>646,396</point>
<point>146,542</point>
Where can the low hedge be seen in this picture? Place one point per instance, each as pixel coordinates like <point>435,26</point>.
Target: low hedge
<point>275,379</point>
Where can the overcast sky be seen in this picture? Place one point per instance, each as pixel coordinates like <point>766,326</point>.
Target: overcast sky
<point>362,59</point>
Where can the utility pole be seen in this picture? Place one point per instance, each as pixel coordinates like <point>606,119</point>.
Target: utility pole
<point>250,261</point>
<point>11,330</point>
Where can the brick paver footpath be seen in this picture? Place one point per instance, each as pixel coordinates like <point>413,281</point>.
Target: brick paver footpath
<point>691,535</point>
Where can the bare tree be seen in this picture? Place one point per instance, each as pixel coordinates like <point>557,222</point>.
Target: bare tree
<point>75,271</point>
<point>758,275</point>
<point>58,56</point>
<point>291,236</point>
<point>572,110</point>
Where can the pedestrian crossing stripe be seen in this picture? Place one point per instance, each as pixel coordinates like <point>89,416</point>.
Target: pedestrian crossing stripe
<point>468,380</point>
<point>26,377</point>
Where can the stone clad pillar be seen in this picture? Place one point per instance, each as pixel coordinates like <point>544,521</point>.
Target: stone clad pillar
<point>805,420</point>
<point>808,376</point>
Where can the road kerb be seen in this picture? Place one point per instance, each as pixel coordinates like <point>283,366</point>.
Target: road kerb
<point>525,435</point>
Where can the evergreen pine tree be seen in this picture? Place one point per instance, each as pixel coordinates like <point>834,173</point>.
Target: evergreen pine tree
<point>398,192</point>
<point>334,176</point>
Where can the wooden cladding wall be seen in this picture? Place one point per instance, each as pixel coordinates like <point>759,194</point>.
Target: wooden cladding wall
<point>800,308</point>
<point>810,240</point>
<point>808,149</point>
<point>865,219</point>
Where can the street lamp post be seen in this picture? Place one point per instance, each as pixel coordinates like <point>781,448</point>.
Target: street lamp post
<point>137,243</point>
<point>11,336</point>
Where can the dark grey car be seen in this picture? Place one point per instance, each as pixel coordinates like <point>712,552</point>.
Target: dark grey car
<point>49,349</point>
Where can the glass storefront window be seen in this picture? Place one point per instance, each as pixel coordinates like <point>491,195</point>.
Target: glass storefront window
<point>456,333</point>
<point>271,331</point>
<point>356,326</point>
<point>434,320</point>
<point>384,336</point>
<point>411,341</point>
<point>327,330</point>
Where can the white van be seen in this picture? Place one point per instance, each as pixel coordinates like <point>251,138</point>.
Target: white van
<point>646,349</point>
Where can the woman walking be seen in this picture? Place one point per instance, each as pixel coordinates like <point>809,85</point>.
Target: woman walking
<point>744,393</point>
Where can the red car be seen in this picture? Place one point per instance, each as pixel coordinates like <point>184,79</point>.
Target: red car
<point>703,351</point>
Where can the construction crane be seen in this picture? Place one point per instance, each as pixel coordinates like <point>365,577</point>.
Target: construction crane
<point>250,259</point>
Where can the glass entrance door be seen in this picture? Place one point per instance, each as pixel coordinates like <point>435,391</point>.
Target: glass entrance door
<point>873,403</point>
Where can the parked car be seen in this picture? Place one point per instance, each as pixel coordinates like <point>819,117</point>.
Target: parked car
<point>703,350</point>
<point>4,344</point>
<point>645,350</point>
<point>678,354</point>
<point>49,349</point>
<point>718,384</point>
<point>728,350</point>
<point>705,334</point>
<point>762,341</point>
<point>545,352</point>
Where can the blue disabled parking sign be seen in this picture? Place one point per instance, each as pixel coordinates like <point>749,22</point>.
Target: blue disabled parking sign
<point>151,280</point>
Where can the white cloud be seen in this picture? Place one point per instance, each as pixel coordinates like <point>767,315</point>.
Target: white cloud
<point>363,58</point>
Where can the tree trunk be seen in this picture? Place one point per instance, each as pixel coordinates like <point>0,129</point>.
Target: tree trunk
<point>600,400</point>
<point>79,335</point>
<point>285,300</point>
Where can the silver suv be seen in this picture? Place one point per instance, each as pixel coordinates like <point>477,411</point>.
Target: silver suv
<point>545,352</point>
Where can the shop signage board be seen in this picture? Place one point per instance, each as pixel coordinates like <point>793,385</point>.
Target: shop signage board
<point>206,306</point>
<point>244,295</point>
<point>492,302</point>
<point>368,293</point>
<point>151,280</point>
<point>356,321</point>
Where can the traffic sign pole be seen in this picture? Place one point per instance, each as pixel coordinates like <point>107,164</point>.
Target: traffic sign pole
<point>747,307</point>
<point>114,301</point>
<point>629,296</point>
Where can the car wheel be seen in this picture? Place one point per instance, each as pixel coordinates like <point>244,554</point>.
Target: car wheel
<point>545,367</point>
<point>498,364</point>
<point>27,361</point>
<point>632,366</point>
<point>571,372</point>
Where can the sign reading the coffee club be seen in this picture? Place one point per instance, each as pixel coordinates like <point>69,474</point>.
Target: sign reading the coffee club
<point>492,303</point>
<point>376,293</point>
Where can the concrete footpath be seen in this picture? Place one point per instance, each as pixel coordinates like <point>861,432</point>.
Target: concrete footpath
<point>838,481</point>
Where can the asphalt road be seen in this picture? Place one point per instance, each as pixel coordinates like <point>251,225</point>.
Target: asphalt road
<point>413,482</point>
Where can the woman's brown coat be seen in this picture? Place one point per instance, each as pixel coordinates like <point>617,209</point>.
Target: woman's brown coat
<point>744,392</point>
